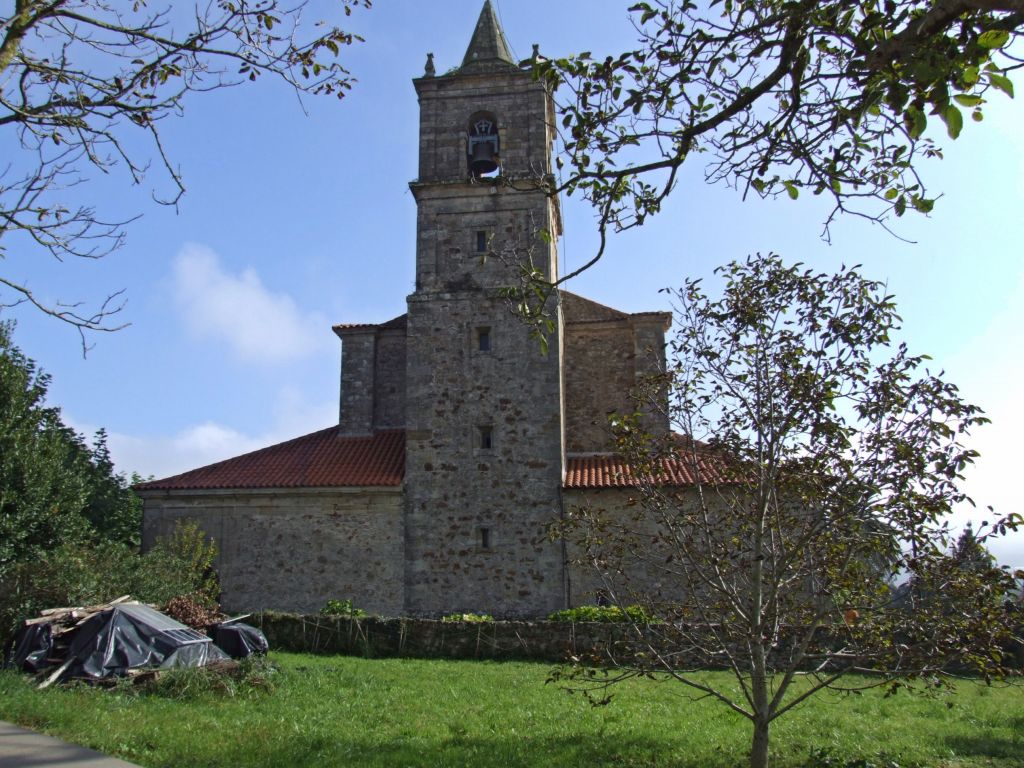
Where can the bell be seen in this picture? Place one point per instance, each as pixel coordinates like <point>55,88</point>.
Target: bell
<point>483,159</point>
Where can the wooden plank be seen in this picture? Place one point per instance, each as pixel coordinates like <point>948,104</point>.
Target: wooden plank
<point>49,611</point>
<point>55,615</point>
<point>111,604</point>
<point>60,671</point>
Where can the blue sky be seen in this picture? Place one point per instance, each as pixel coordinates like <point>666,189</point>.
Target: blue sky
<point>294,221</point>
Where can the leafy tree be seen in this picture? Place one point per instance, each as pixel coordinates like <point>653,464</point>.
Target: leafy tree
<point>114,511</point>
<point>825,460</point>
<point>42,488</point>
<point>54,489</point>
<point>971,553</point>
<point>974,567</point>
<point>69,524</point>
<point>85,85</point>
<point>839,99</point>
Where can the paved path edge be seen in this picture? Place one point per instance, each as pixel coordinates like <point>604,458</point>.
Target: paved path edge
<point>22,748</point>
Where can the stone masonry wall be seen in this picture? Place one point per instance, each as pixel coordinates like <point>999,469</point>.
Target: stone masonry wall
<point>358,370</point>
<point>649,359</point>
<point>476,516</point>
<point>389,380</point>
<point>517,102</point>
<point>455,488</point>
<point>549,641</point>
<point>599,376</point>
<point>640,576</point>
<point>372,379</point>
<point>295,550</point>
<point>604,362</point>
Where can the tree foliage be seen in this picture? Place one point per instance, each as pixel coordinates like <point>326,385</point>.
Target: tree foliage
<point>54,489</point>
<point>70,524</point>
<point>42,488</point>
<point>970,553</point>
<point>85,86</point>
<point>839,99</point>
<point>75,573</point>
<point>826,461</point>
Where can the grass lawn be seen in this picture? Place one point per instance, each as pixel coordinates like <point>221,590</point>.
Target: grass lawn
<point>341,711</point>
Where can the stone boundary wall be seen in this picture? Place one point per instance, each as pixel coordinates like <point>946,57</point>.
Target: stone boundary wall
<point>549,641</point>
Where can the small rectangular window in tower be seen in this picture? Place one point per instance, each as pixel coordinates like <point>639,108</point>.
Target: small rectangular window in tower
<point>486,438</point>
<point>483,339</point>
<point>481,241</point>
<point>485,538</point>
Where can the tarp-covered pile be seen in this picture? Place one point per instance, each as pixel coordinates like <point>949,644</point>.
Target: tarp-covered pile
<point>122,638</point>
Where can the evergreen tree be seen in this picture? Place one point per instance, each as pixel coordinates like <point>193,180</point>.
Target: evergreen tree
<point>971,554</point>
<point>112,508</point>
<point>69,524</point>
<point>54,489</point>
<point>42,487</point>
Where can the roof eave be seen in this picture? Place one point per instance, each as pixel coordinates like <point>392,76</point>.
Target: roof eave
<point>156,493</point>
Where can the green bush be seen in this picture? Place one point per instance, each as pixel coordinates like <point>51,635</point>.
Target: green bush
<point>469,618</point>
<point>604,613</point>
<point>181,564</point>
<point>99,571</point>
<point>342,608</point>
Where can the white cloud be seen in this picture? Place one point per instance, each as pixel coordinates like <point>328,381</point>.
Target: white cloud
<point>256,324</point>
<point>195,446</point>
<point>205,443</point>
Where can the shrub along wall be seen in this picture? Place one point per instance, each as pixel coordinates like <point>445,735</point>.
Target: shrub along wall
<point>551,641</point>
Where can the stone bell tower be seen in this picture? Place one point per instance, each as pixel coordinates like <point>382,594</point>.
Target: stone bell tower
<point>485,426</point>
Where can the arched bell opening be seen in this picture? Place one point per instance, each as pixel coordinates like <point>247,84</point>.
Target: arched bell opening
<point>483,147</point>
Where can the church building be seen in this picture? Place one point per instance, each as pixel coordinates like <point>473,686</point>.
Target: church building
<point>461,438</point>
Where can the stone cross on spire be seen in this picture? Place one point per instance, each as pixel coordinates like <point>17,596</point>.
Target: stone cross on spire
<point>488,46</point>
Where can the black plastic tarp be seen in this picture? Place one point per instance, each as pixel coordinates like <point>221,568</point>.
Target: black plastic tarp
<point>135,636</point>
<point>240,640</point>
<point>30,647</point>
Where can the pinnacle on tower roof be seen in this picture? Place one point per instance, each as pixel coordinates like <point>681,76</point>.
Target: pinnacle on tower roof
<point>488,45</point>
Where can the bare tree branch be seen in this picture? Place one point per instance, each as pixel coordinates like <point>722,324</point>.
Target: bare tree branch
<point>79,77</point>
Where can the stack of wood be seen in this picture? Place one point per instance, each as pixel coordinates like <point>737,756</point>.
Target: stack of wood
<point>63,623</point>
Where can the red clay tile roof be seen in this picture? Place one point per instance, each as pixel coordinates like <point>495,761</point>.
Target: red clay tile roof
<point>610,471</point>
<point>326,459</point>
<point>322,459</point>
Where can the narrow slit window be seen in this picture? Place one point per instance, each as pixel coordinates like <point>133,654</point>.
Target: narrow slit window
<point>485,538</point>
<point>481,241</point>
<point>486,438</point>
<point>483,339</point>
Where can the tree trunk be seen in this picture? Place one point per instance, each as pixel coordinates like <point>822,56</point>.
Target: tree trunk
<point>759,745</point>
<point>16,28</point>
